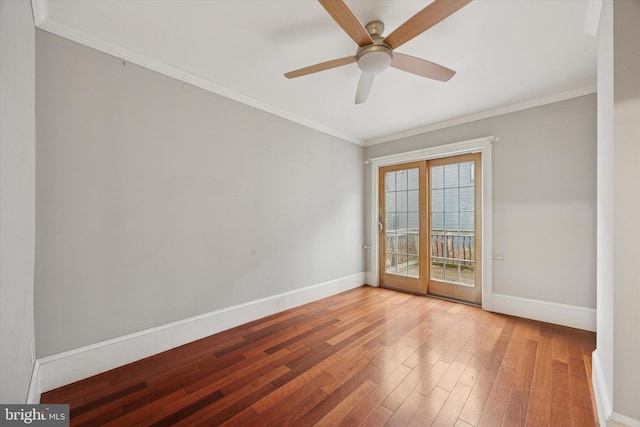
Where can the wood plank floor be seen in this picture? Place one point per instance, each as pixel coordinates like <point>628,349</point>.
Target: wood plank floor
<point>366,357</point>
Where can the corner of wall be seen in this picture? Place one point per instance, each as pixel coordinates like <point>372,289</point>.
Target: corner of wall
<point>606,416</point>
<point>17,198</point>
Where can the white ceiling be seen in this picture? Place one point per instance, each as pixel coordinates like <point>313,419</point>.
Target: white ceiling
<point>508,54</point>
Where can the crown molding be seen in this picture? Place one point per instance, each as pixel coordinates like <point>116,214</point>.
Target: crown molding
<point>44,22</point>
<point>55,27</point>
<point>512,108</point>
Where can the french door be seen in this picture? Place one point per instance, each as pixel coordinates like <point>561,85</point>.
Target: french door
<point>430,234</point>
<point>403,227</point>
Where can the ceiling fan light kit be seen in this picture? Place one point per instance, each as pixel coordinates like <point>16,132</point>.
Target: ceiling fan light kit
<point>376,53</point>
<point>374,59</point>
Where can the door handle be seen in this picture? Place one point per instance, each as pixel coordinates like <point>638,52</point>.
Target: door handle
<point>379,227</point>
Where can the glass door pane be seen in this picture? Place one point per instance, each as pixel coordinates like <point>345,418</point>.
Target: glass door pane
<point>454,234</point>
<point>403,236</point>
<point>402,233</point>
<point>452,223</point>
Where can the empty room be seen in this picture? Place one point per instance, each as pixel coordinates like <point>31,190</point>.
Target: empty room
<point>320,212</point>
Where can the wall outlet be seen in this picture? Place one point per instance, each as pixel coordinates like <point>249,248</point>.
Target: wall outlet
<point>33,352</point>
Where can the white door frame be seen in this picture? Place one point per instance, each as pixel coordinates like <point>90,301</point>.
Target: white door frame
<point>480,145</point>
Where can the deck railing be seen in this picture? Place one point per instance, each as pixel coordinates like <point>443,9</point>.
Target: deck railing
<point>446,247</point>
<point>401,246</point>
<point>453,246</point>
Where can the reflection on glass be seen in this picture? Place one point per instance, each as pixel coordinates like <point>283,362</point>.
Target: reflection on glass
<point>413,265</point>
<point>466,221</point>
<point>402,221</point>
<point>413,201</point>
<point>391,263</point>
<point>437,177</point>
<point>413,177</point>
<point>402,178</point>
<point>468,275</point>
<point>451,176</point>
<point>401,201</point>
<point>391,243</point>
<point>390,201</point>
<point>390,181</point>
<point>413,220</point>
<point>437,270</point>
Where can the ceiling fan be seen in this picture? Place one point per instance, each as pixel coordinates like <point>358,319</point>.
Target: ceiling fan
<point>376,53</point>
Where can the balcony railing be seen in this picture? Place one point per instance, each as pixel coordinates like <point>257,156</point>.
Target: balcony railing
<point>453,246</point>
<point>452,254</point>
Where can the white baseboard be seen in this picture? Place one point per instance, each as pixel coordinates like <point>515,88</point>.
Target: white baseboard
<point>371,278</point>
<point>603,405</point>
<point>64,368</point>
<point>35,386</point>
<point>544,311</point>
<point>618,420</point>
<point>606,416</point>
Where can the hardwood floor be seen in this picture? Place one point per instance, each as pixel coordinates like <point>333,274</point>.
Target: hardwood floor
<point>368,357</point>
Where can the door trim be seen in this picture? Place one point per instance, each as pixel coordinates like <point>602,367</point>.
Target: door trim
<point>480,145</point>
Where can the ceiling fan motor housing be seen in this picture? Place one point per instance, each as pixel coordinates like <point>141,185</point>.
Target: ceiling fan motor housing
<point>376,57</point>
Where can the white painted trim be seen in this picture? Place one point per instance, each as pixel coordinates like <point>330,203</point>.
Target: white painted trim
<point>470,146</point>
<point>603,406</point>
<point>138,58</point>
<point>562,96</point>
<point>606,416</point>
<point>592,20</point>
<point>551,312</point>
<point>40,11</point>
<point>619,420</point>
<point>487,224</point>
<point>73,365</point>
<point>35,386</point>
<point>372,278</point>
<point>479,145</point>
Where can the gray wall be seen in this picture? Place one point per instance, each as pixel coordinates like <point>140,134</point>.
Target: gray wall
<point>544,197</point>
<point>17,197</point>
<point>626,207</point>
<point>158,201</point>
<point>618,326</point>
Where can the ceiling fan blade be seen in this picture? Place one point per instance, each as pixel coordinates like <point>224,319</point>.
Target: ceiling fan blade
<point>423,20</point>
<point>364,87</point>
<point>348,21</point>
<point>334,63</point>
<point>421,67</point>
